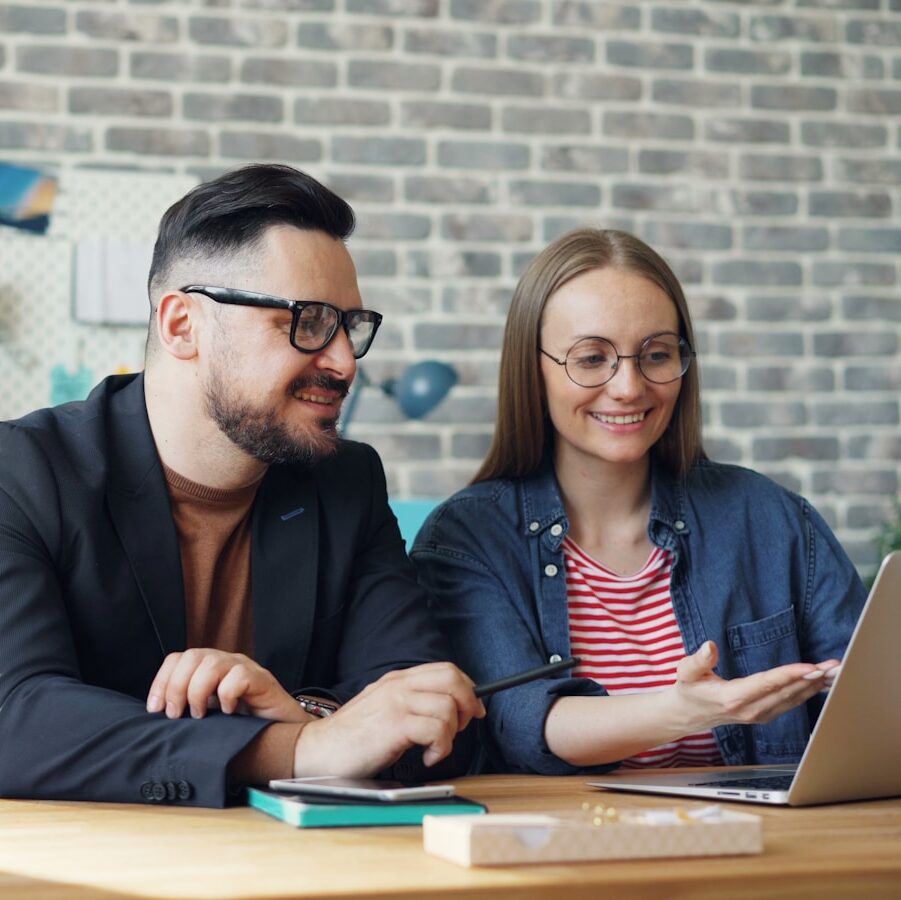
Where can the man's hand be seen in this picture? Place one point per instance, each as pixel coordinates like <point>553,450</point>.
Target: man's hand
<point>707,700</point>
<point>200,677</point>
<point>425,705</point>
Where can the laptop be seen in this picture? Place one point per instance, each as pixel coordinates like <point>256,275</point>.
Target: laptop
<point>854,752</point>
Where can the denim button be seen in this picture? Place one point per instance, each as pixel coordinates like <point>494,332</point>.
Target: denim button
<point>550,570</point>
<point>679,525</point>
<point>556,530</point>
<point>534,526</point>
<point>554,657</point>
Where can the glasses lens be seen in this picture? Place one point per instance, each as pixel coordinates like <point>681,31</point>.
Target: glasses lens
<point>664,358</point>
<point>315,326</point>
<point>591,362</point>
<point>361,326</point>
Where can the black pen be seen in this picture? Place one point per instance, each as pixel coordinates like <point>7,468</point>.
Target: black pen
<point>491,687</point>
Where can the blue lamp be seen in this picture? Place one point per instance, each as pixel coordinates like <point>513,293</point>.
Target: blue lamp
<point>418,390</point>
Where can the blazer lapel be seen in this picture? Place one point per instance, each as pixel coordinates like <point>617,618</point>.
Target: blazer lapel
<point>139,507</point>
<point>284,572</point>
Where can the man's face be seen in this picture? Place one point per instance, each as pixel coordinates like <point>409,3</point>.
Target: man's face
<point>277,404</point>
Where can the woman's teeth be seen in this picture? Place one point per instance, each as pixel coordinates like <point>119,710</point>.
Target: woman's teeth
<point>620,420</point>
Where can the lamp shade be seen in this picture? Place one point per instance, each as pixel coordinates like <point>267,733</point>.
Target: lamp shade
<point>422,387</point>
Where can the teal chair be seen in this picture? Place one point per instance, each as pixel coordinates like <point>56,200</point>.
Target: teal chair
<point>410,516</point>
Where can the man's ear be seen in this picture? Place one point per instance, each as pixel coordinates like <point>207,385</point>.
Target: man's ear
<point>176,324</point>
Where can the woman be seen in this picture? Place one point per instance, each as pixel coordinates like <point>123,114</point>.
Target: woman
<point>707,604</point>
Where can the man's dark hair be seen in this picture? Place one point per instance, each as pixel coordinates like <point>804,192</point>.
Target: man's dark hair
<point>233,211</point>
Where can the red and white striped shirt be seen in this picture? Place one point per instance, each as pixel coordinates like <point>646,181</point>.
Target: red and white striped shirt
<point>625,632</point>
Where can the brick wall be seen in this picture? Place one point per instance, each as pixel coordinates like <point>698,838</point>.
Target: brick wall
<point>754,143</point>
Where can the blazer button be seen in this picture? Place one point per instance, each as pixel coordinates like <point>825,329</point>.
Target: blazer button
<point>183,790</point>
<point>171,792</point>
<point>147,790</point>
<point>158,791</point>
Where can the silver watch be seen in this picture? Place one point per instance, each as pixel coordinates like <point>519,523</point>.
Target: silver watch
<point>315,707</point>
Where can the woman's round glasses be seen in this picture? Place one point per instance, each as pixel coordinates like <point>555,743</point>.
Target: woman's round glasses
<point>314,323</point>
<point>593,361</point>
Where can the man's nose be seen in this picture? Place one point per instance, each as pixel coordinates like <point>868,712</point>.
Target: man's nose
<point>338,356</point>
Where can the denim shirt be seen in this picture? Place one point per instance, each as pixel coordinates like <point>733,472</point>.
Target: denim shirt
<point>755,568</point>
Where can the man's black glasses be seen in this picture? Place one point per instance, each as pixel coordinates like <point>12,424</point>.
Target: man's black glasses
<point>314,322</point>
<point>593,361</point>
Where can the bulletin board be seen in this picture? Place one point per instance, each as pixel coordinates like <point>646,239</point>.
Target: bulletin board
<point>46,356</point>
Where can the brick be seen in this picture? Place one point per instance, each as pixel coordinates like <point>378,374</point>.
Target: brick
<point>797,447</point>
<point>277,5</point>
<point>883,32</point>
<point>372,263</point>
<point>483,155</point>
<point>836,204</point>
<point>688,270</point>
<point>573,158</point>
<point>747,131</point>
<point>851,343</point>
<point>391,76</point>
<point>841,134</point>
<point>159,141</point>
<point>232,107</point>
<point>119,102</point>
<point>690,162</point>
<point>875,446</point>
<point>601,16</point>
<point>451,263</point>
<point>856,307</point>
<point>793,97</point>
<point>650,55</point>
<point>441,114</point>
<point>592,86</point>
<point>695,22</point>
<point>436,335</point>
<point>696,93</point>
<point>756,273</point>
<point>367,188</point>
<point>847,274</point>
<point>473,44</point>
<point>747,62</point>
<point>723,450</point>
<point>777,413</point>
<point>718,378</point>
<point>484,299</point>
<point>409,300</point>
<point>798,378</point>
<point>502,12</point>
<point>645,126</point>
<point>860,413</point>
<point>873,171</point>
<point>855,481</point>
<point>788,480</point>
<point>426,9</point>
<point>393,226</point>
<point>757,167</point>
<point>545,120</point>
<point>434,189</point>
<point>713,308</point>
<point>238,32</point>
<point>791,308</point>
<point>870,240</point>
<point>396,151</point>
<point>335,36</point>
<point>833,64</point>
<point>875,101</point>
<point>341,111</point>
<point>513,82</point>
<point>46,59</point>
<point>470,445</point>
<point>174,67</point>
<point>483,227</point>
<point>749,344</point>
<point>21,19</point>
<point>31,97</point>
<point>550,48</point>
<point>278,146</point>
<point>404,446</point>
<point>768,29</point>
<point>785,238</point>
<point>116,26</point>
<point>33,136</point>
<point>554,193</point>
<point>840,4</point>
<point>695,235</point>
<point>869,516</point>
<point>874,378</point>
<point>764,203</point>
<point>289,72</point>
<point>668,197</point>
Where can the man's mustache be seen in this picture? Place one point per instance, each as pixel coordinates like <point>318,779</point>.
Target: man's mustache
<point>325,382</point>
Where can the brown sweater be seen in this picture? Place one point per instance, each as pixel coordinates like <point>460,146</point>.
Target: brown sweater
<point>214,538</point>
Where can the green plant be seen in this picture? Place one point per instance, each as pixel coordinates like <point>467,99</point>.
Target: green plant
<point>888,538</point>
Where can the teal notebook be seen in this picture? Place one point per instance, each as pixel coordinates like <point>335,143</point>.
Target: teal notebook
<point>304,813</point>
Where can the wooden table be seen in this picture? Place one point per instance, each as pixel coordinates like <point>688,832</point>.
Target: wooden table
<point>60,851</point>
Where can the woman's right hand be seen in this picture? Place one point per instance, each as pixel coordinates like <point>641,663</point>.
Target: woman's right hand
<point>706,700</point>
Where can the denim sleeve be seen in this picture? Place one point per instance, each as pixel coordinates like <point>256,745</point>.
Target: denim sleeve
<point>490,616</point>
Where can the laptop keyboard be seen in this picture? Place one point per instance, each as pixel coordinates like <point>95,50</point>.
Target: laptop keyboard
<point>764,783</point>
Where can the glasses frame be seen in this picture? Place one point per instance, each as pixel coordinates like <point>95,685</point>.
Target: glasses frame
<point>688,357</point>
<point>236,297</point>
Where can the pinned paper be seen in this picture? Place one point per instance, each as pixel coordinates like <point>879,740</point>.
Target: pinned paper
<point>111,281</point>
<point>26,197</point>
<point>68,385</point>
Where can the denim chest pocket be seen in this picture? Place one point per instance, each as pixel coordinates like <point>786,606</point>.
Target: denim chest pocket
<point>765,643</point>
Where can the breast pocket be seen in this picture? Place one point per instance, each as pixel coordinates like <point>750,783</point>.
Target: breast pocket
<point>765,643</point>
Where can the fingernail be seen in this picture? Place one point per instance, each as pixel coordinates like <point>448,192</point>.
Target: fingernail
<point>707,653</point>
<point>171,711</point>
<point>154,703</point>
<point>430,757</point>
<point>814,675</point>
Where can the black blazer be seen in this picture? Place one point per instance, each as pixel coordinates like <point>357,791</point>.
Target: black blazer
<point>91,600</point>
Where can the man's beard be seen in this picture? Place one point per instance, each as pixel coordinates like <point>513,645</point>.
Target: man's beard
<point>257,432</point>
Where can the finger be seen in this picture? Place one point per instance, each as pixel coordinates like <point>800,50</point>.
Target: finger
<point>204,681</point>
<point>156,696</point>
<point>235,685</point>
<point>699,664</point>
<point>177,689</point>
<point>445,678</point>
<point>434,734</point>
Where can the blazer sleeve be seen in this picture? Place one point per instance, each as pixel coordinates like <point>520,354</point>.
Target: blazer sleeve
<point>61,738</point>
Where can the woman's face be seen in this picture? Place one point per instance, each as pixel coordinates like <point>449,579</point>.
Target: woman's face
<point>618,422</point>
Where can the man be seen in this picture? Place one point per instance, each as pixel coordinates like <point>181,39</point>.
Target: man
<point>189,551</point>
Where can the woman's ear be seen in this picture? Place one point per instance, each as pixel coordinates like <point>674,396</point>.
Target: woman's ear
<point>176,324</point>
